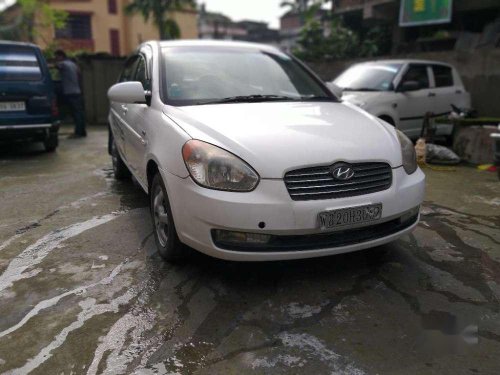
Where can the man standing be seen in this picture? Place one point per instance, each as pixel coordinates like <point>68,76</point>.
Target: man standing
<point>70,74</point>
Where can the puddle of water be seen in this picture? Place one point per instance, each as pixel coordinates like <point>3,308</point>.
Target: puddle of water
<point>35,253</point>
<point>55,300</point>
<point>90,309</point>
<point>7,243</point>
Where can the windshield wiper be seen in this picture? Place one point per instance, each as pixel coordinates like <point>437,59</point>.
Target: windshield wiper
<point>360,89</point>
<point>249,99</point>
<point>265,98</point>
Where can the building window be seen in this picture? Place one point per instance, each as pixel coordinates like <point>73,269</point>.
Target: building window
<point>112,7</point>
<point>78,26</point>
<point>114,41</point>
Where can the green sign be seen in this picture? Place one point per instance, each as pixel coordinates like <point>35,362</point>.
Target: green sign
<point>424,12</point>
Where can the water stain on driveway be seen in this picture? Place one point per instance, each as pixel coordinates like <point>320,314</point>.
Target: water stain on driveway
<point>83,291</point>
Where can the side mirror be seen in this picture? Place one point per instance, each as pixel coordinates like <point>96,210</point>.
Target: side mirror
<point>408,86</point>
<point>336,90</point>
<point>128,93</point>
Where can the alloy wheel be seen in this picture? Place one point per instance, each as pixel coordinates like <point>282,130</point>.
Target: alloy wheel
<point>161,218</point>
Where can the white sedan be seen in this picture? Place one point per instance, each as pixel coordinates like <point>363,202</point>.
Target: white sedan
<point>247,155</point>
<point>402,92</point>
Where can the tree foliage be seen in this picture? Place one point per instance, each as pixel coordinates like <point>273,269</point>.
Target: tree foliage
<point>326,40</point>
<point>160,12</point>
<point>35,17</point>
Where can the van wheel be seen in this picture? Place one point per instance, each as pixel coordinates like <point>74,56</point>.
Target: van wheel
<point>120,170</point>
<point>51,142</point>
<point>169,246</point>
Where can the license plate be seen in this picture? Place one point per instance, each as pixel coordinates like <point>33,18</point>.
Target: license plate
<point>350,216</point>
<point>12,106</point>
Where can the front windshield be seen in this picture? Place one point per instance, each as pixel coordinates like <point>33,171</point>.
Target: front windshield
<point>210,75</point>
<point>368,77</point>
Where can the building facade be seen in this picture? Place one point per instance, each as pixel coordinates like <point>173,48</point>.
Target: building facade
<point>102,26</point>
<point>291,24</point>
<point>472,24</point>
<point>213,25</point>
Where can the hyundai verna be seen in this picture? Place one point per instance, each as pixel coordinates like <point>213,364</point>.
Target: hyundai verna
<point>246,155</point>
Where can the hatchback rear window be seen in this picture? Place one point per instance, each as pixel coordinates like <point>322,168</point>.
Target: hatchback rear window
<point>18,63</point>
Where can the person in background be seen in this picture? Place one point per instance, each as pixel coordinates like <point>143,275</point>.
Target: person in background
<point>71,91</point>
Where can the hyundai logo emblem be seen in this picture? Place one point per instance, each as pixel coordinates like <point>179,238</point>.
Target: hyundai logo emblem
<point>343,173</point>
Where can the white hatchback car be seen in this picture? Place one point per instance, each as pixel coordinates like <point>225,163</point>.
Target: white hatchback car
<point>401,92</point>
<point>246,155</point>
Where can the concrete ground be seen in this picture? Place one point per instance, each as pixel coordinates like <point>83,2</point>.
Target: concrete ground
<point>83,291</point>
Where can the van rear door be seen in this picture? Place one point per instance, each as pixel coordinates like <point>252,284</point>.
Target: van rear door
<point>26,91</point>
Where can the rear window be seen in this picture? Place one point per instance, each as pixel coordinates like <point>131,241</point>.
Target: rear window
<point>18,63</point>
<point>442,75</point>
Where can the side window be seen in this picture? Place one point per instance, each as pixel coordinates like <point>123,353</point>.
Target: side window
<point>419,74</point>
<point>129,70</point>
<point>141,74</point>
<point>443,76</point>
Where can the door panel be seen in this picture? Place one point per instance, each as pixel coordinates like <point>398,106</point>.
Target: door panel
<point>117,126</point>
<point>413,105</point>
<point>120,113</point>
<point>449,91</point>
<point>136,144</point>
<point>137,122</point>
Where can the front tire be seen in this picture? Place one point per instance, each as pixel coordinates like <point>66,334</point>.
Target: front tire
<point>120,170</point>
<point>169,246</point>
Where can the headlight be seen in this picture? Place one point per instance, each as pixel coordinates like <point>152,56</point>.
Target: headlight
<point>408,153</point>
<point>215,168</point>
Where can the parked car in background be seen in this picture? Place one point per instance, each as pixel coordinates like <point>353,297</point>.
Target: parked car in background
<point>28,106</point>
<point>247,155</point>
<point>401,92</point>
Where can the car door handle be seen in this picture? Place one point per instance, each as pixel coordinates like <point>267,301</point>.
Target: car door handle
<point>431,94</point>
<point>459,92</point>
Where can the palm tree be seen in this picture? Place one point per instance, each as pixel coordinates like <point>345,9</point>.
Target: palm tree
<point>297,6</point>
<point>160,11</point>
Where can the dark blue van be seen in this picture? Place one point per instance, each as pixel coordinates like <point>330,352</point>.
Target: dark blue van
<point>28,106</point>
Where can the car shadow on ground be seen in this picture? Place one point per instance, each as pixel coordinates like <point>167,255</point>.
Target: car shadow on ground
<point>21,150</point>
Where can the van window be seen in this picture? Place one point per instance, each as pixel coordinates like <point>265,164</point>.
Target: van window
<point>19,63</point>
<point>442,75</point>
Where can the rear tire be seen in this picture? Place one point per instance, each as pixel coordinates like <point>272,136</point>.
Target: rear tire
<point>169,246</point>
<point>120,170</point>
<point>51,142</point>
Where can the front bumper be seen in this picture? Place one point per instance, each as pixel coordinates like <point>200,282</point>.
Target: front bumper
<point>198,211</point>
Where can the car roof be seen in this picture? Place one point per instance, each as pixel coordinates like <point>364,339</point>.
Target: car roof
<point>20,44</point>
<point>215,43</point>
<point>405,61</point>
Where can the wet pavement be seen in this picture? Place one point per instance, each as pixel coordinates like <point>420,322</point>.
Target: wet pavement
<point>83,291</point>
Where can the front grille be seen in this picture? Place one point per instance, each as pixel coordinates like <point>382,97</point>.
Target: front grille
<point>318,182</point>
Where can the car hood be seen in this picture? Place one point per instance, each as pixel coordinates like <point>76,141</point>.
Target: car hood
<point>277,137</point>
